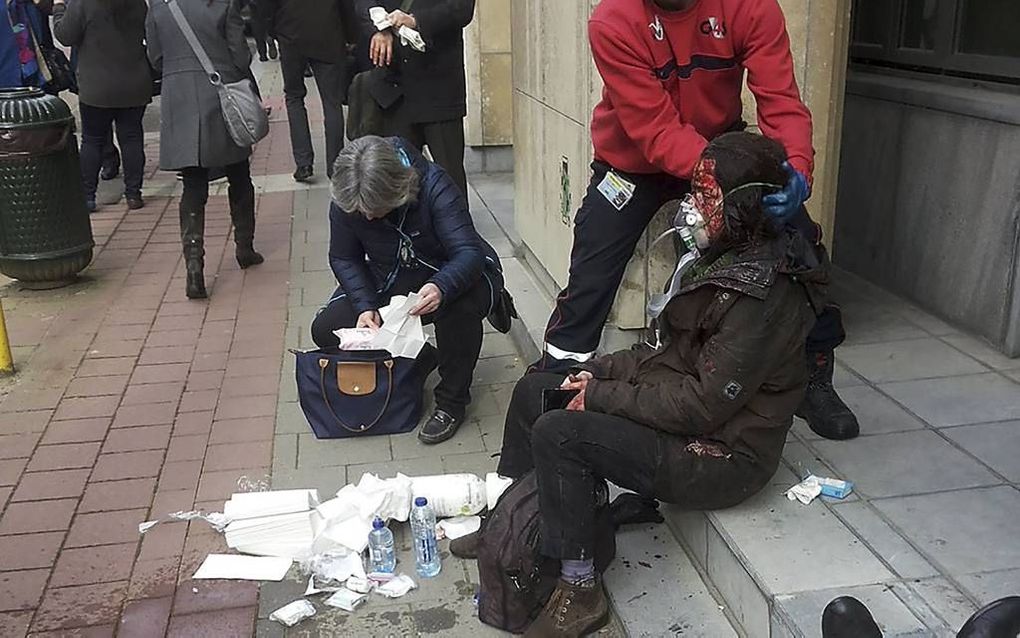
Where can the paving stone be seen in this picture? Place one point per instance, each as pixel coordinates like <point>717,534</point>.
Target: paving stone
<point>959,400</point>
<point>52,484</point>
<point>165,540</point>
<point>210,380</point>
<point>218,486</point>
<point>885,541</point>
<point>128,465</point>
<point>199,401</point>
<point>97,386</point>
<point>981,351</point>
<point>213,595</point>
<point>149,393</point>
<point>80,606</point>
<point>193,423</point>
<point>37,516</point>
<point>106,367</point>
<point>995,444</point>
<point>876,413</point>
<point>479,463</point>
<point>154,578</point>
<point>152,414</point>
<point>11,470</point>
<point>314,452</point>
<point>225,622</point>
<point>951,605</point>
<point>326,480</point>
<point>86,407</point>
<point>242,430</point>
<point>22,590</point>
<point>105,528</point>
<point>145,618</point>
<point>467,439</point>
<point>991,586</point>
<point>155,437</point>
<point>180,475</point>
<point>153,355</point>
<point>804,610</point>
<point>18,446</point>
<point>78,430</point>
<point>966,531</point>
<point>89,565</point>
<point>15,624</point>
<point>64,456</point>
<point>117,495</point>
<point>904,463</point>
<point>290,419</point>
<point>910,359</point>
<point>246,407</point>
<point>29,551</point>
<point>498,370</point>
<point>25,422</point>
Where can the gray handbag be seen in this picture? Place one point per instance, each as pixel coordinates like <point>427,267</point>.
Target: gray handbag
<point>242,110</point>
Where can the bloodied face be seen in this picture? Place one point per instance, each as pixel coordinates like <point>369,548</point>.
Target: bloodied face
<point>702,209</point>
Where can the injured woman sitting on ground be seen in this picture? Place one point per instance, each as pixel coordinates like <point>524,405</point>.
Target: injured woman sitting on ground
<point>701,419</point>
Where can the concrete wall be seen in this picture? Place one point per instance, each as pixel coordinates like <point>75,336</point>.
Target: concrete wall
<point>929,199</point>
<point>556,87</point>
<point>487,58</point>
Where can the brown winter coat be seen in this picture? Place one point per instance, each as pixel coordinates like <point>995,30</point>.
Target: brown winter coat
<point>726,382</point>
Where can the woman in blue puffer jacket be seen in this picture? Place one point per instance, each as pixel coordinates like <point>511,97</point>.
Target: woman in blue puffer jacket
<point>399,224</point>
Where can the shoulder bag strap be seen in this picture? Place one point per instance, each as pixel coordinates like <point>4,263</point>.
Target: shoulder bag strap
<point>196,46</point>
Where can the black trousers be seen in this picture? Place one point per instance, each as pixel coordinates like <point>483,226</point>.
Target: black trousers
<point>445,141</point>
<point>97,130</point>
<point>458,337</point>
<point>260,30</point>
<point>330,80</point>
<point>604,242</point>
<point>571,452</point>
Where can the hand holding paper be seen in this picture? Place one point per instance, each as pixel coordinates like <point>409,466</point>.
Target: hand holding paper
<point>402,23</point>
<point>401,332</point>
<point>431,296</point>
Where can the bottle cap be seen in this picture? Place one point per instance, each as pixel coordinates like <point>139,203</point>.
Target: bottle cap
<point>421,501</point>
<point>378,523</point>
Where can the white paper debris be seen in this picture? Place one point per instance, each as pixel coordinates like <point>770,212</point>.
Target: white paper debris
<point>458,526</point>
<point>233,567</point>
<point>293,613</point>
<point>451,494</point>
<point>805,491</point>
<point>146,526</point>
<point>359,584</point>
<point>345,599</point>
<point>258,504</point>
<point>217,520</point>
<point>396,587</point>
<point>495,485</point>
<point>284,535</point>
<point>401,333</point>
<point>314,589</point>
<point>335,566</point>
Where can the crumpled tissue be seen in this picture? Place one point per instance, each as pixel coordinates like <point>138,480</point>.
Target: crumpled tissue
<point>396,587</point>
<point>346,599</point>
<point>349,516</point>
<point>813,486</point>
<point>293,613</point>
<point>335,566</point>
<point>409,37</point>
<point>401,333</point>
<point>458,526</point>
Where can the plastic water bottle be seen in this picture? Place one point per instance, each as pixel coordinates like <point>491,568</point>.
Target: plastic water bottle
<point>380,548</point>
<point>423,528</point>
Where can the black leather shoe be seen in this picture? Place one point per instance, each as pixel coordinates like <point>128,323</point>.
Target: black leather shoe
<point>247,256</point>
<point>440,427</point>
<point>135,202</point>
<point>824,411</point>
<point>303,174</point>
<point>1000,619</point>
<point>195,284</point>
<point>466,546</point>
<point>847,617</point>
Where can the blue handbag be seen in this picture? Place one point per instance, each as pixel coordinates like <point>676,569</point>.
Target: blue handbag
<point>348,394</point>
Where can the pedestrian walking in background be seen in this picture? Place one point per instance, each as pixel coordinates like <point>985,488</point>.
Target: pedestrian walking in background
<point>114,85</point>
<point>434,103</point>
<point>22,33</point>
<point>193,136</point>
<point>265,43</point>
<point>311,34</point>
<point>111,155</point>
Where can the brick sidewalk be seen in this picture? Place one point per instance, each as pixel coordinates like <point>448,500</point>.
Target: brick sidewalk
<point>132,402</point>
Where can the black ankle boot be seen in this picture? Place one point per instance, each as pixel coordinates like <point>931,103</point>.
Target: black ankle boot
<point>822,408</point>
<point>195,286</point>
<point>847,617</point>
<point>246,256</point>
<point>1000,619</point>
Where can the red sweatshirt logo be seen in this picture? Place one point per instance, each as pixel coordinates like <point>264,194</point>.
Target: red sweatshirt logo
<point>714,27</point>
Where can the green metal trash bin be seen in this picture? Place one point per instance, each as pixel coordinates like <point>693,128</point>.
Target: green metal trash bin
<point>45,231</point>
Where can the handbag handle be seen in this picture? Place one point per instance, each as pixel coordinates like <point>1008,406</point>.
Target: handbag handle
<point>323,364</point>
<point>196,46</point>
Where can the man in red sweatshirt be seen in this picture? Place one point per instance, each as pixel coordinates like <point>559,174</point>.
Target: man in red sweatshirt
<point>673,72</point>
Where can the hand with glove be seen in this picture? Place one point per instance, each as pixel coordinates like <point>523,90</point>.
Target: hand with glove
<point>784,204</point>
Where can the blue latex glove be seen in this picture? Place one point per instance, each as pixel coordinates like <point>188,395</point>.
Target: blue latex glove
<point>784,204</point>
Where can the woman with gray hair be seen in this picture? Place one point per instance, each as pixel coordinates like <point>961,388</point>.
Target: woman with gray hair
<point>399,224</point>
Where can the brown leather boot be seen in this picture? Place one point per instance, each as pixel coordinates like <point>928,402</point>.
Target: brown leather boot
<point>572,611</point>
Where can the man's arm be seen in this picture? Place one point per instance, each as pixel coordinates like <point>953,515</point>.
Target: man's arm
<point>642,104</point>
<point>69,23</point>
<point>782,114</point>
<point>441,16</point>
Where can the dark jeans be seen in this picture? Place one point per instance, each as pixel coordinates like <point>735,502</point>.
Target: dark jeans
<point>240,194</point>
<point>445,141</point>
<point>97,125</point>
<point>329,77</point>
<point>571,452</point>
<point>458,337</point>
<point>604,242</point>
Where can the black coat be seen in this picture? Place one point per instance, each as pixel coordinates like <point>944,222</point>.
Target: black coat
<point>433,82</point>
<point>439,228</point>
<point>313,28</point>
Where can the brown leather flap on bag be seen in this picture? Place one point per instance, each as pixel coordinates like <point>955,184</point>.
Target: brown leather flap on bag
<point>355,379</point>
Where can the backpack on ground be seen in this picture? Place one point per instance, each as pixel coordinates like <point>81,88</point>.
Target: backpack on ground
<point>516,580</point>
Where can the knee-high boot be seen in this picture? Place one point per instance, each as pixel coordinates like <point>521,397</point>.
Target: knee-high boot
<point>193,242</point>
<point>242,214</point>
